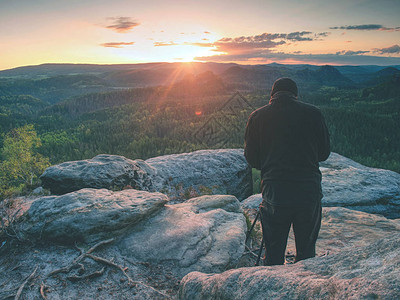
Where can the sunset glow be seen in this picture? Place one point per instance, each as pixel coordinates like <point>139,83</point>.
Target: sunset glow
<point>252,32</point>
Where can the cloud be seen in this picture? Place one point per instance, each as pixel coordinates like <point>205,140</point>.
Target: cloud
<point>366,27</point>
<point>116,44</point>
<point>293,36</point>
<point>162,44</point>
<point>235,57</point>
<point>263,48</point>
<point>339,59</point>
<point>253,47</point>
<point>202,44</point>
<point>122,24</point>
<point>299,36</point>
<point>322,34</point>
<point>389,50</point>
<point>247,45</point>
<point>349,52</point>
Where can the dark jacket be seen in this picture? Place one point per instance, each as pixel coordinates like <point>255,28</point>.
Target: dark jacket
<point>286,140</point>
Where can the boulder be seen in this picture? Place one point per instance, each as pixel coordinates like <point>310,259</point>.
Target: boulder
<point>181,176</point>
<point>252,202</point>
<point>344,228</point>
<point>222,171</point>
<point>39,190</point>
<point>205,233</point>
<point>102,171</point>
<point>88,214</point>
<point>365,272</point>
<point>349,184</point>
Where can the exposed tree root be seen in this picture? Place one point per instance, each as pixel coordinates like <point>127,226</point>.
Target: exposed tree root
<point>87,276</point>
<point>21,288</point>
<point>42,290</point>
<point>77,260</point>
<point>123,270</point>
<point>76,263</point>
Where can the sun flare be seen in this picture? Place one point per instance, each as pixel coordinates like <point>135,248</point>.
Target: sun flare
<point>186,53</point>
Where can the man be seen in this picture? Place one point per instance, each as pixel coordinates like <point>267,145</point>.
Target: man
<point>286,140</point>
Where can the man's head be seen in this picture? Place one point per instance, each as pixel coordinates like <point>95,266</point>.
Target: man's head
<point>284,84</point>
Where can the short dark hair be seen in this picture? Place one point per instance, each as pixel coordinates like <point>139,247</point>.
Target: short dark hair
<point>284,84</point>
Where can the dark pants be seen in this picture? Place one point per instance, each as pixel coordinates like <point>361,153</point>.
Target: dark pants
<point>276,222</point>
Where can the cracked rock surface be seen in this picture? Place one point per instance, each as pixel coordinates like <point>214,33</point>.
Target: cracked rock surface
<point>224,171</point>
<point>366,272</point>
<point>204,233</point>
<point>88,214</point>
<point>102,171</point>
<point>349,184</point>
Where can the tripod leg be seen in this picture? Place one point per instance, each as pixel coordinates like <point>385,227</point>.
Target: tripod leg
<point>252,226</point>
<point>259,252</point>
<point>262,241</point>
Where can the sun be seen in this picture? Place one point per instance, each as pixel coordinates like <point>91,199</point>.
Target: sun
<point>184,53</point>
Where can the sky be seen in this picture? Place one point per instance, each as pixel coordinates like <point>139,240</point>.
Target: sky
<point>336,32</point>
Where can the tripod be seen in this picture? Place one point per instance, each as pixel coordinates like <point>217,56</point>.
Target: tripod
<point>249,233</point>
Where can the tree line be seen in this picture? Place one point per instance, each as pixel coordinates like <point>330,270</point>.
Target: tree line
<point>148,122</point>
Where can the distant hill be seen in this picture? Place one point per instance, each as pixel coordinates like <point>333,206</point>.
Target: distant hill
<point>57,82</point>
<point>385,74</point>
<point>53,89</point>
<point>204,84</point>
<point>329,75</point>
<point>24,105</point>
<point>381,76</point>
<point>49,70</point>
<point>264,76</point>
<point>325,75</point>
<point>250,77</point>
<point>97,101</point>
<point>390,88</point>
<point>141,78</point>
<point>389,71</point>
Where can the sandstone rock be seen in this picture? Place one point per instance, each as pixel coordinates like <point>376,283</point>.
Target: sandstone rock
<point>102,171</point>
<point>252,202</point>
<point>88,214</point>
<point>369,272</point>
<point>344,228</point>
<point>222,171</point>
<point>39,190</point>
<point>205,233</point>
<point>179,175</point>
<point>349,184</point>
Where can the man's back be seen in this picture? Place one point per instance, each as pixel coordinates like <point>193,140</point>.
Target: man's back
<point>286,139</point>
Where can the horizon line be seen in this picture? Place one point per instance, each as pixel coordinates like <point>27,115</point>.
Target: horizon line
<point>196,62</point>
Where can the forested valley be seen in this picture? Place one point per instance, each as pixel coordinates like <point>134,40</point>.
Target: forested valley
<point>116,113</point>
